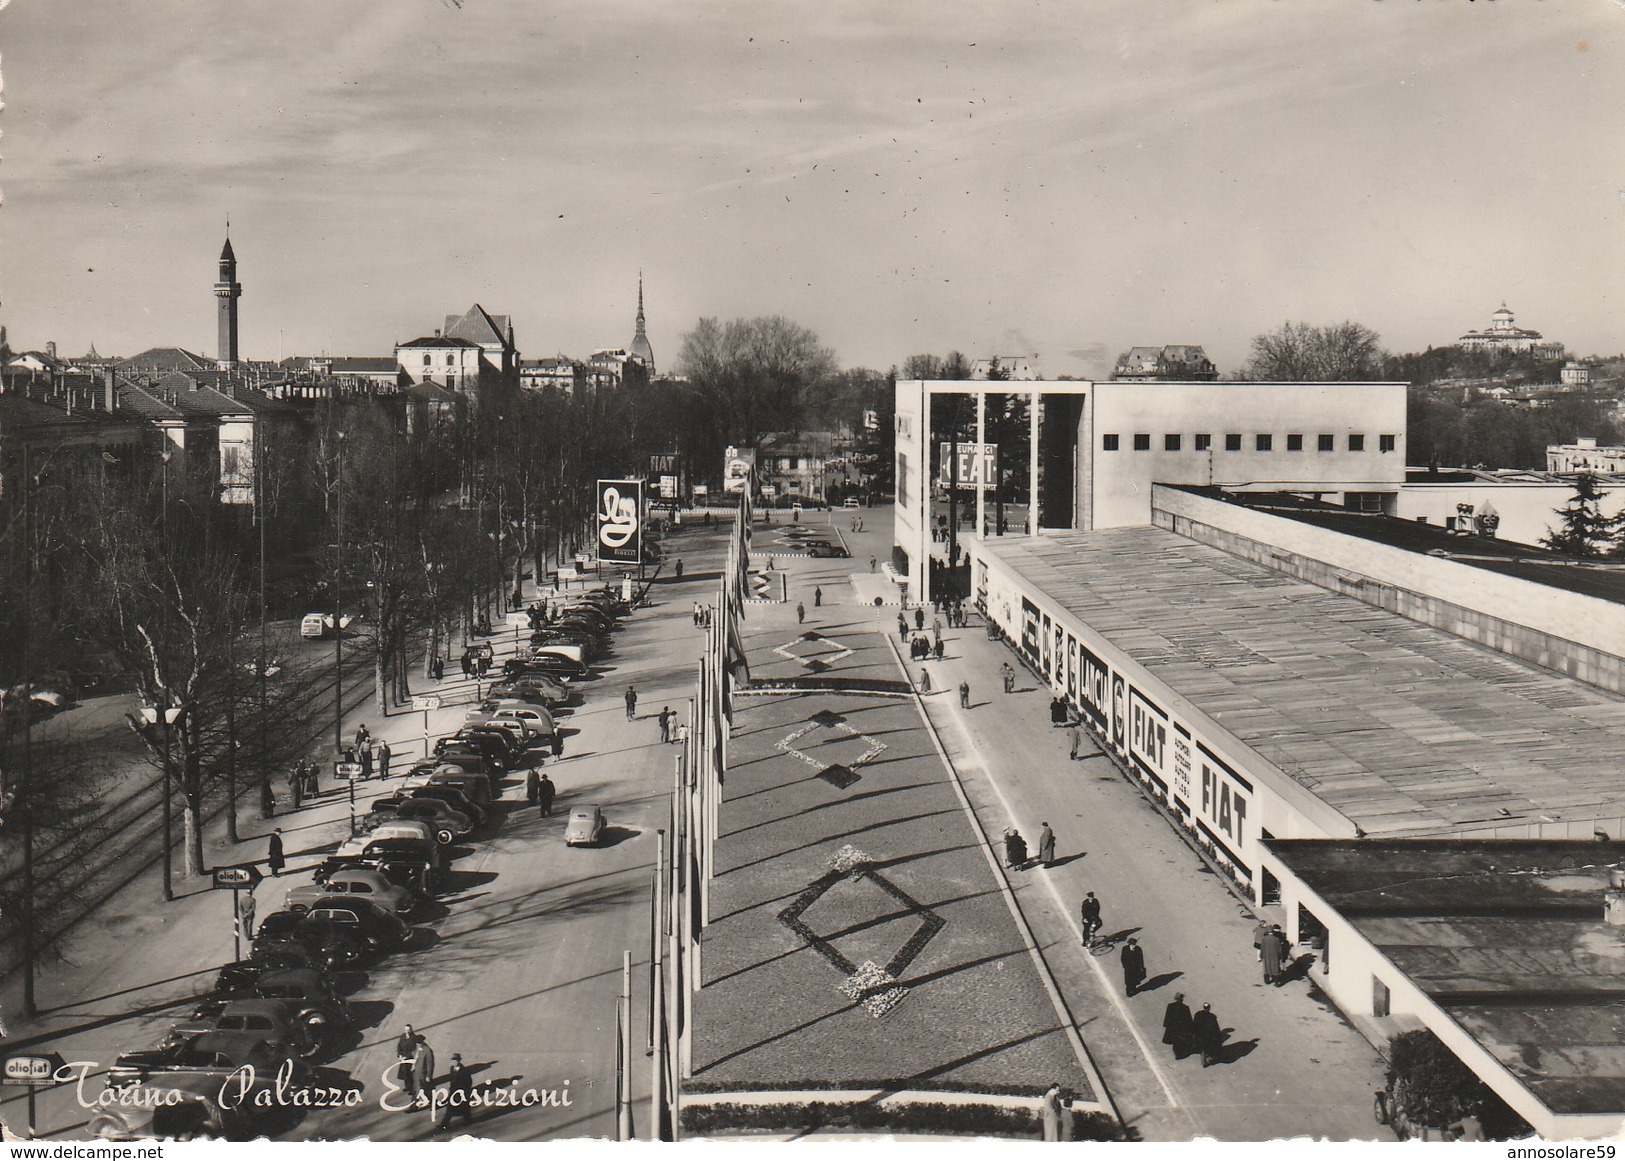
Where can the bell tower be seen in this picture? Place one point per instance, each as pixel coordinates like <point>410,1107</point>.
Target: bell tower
<point>227,291</point>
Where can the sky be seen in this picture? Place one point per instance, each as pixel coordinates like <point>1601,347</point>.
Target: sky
<point>1058,181</point>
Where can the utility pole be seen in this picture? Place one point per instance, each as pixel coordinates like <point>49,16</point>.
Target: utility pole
<point>266,797</point>
<point>338,606</point>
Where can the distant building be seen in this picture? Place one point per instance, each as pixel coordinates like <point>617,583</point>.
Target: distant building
<point>640,348</point>
<point>1013,367</point>
<point>1504,334</point>
<point>226,292</point>
<point>449,362</point>
<point>615,367</point>
<point>796,467</point>
<point>1177,363</point>
<point>557,374</point>
<point>1583,455</point>
<point>1575,373</point>
<point>493,334</point>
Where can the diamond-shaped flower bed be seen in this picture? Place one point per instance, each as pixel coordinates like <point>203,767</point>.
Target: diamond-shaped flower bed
<point>812,650</point>
<point>858,915</point>
<point>839,774</point>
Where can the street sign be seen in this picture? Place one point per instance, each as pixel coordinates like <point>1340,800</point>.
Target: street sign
<point>425,701</point>
<point>568,574</point>
<point>236,878</point>
<point>519,620</point>
<point>33,1071</point>
<point>346,769</point>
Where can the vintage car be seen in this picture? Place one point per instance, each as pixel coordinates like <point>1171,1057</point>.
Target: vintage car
<point>334,949</point>
<point>410,863</point>
<point>532,690</point>
<point>274,1021</point>
<point>212,1054</point>
<point>453,797</point>
<point>178,1106</point>
<point>306,991</point>
<point>585,828</point>
<point>354,881</point>
<point>493,754</point>
<point>371,923</point>
<point>827,550</point>
<point>446,824</point>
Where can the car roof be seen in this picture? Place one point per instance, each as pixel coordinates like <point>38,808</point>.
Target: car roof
<point>260,1007</point>
<point>585,812</point>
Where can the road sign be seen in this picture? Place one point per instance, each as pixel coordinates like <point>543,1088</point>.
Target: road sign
<point>519,620</point>
<point>236,878</point>
<point>568,574</point>
<point>425,701</point>
<point>346,769</point>
<point>33,1071</point>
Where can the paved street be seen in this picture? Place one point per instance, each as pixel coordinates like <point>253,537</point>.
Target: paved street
<point>1294,1067</point>
<point>519,967</point>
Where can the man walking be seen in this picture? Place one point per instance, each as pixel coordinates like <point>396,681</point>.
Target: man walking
<point>422,1069</point>
<point>245,914</point>
<point>383,759</point>
<point>1009,676</point>
<point>964,695</point>
<point>1089,916</point>
<point>1046,845</point>
<point>1176,1026</point>
<point>366,762</point>
<point>558,744</point>
<point>544,796</point>
<point>1272,954</point>
<point>902,627</point>
<point>665,724</point>
<point>459,1094</point>
<point>919,619</point>
<point>533,786</point>
<point>631,702</point>
<point>273,853</point>
<point>801,612</point>
<point>1209,1037</point>
<point>818,596</point>
<point>1133,958</point>
<point>406,1046</point>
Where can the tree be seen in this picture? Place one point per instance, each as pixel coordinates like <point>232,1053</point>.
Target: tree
<point>1584,530</point>
<point>755,373</point>
<point>921,367</point>
<point>1435,1090</point>
<point>955,366</point>
<point>1299,352</point>
<point>996,372</point>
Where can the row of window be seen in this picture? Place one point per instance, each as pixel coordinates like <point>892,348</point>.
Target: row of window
<point>1232,442</point>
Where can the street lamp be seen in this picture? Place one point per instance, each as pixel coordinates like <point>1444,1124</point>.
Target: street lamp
<point>142,723</point>
<point>338,607</point>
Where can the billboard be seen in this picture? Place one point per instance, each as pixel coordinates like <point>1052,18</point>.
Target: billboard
<point>620,521</point>
<point>978,464</point>
<point>738,466</point>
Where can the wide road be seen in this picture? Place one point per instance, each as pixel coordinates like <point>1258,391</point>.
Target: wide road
<point>519,965</point>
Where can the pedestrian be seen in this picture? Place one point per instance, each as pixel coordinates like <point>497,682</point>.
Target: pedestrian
<point>665,723</point>
<point>1046,845</point>
<point>268,800</point>
<point>936,649</point>
<point>366,762</point>
<point>678,568</point>
<point>1272,954</point>
<point>1015,849</point>
<point>459,1098</point>
<point>383,759</point>
<point>422,1069</point>
<point>296,778</point>
<point>919,618</point>
<point>1176,1026</point>
<point>1009,676</point>
<point>313,774</point>
<point>925,680</point>
<point>516,599</point>
<point>406,1046</point>
<point>902,627</point>
<point>245,914</point>
<point>1074,733</point>
<point>801,612</point>
<point>468,663</point>
<point>696,614</point>
<point>818,597</point>
<point>1207,1035</point>
<point>533,786</point>
<point>964,695</point>
<point>1052,1113</point>
<point>871,564</point>
<point>1089,916</point>
<point>558,744</point>
<point>273,853</point>
<point>544,796</point>
<point>437,667</point>
<point>1133,959</point>
<point>363,736</point>
<point>682,734</point>
<point>631,702</point>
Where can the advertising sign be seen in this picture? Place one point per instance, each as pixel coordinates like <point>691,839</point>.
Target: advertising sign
<point>620,521</point>
<point>33,1070</point>
<point>1029,629</point>
<point>1148,738</point>
<point>663,464</point>
<point>738,465</point>
<point>236,878</point>
<point>425,701</point>
<point>1092,683</point>
<point>668,487</point>
<point>347,769</point>
<point>871,420</point>
<point>1045,664</point>
<point>978,464</point>
<point>1222,805</point>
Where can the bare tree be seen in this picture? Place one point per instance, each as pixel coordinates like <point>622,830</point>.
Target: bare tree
<point>1300,352</point>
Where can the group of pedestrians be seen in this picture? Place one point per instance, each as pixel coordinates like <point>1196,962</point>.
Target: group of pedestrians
<point>1016,857</point>
<point>1188,1032</point>
<point>702,616</point>
<point>415,1071</point>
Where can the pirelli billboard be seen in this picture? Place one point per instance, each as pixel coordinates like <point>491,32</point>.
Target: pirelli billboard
<point>620,521</point>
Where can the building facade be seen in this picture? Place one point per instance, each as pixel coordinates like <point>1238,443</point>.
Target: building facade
<point>1504,334</point>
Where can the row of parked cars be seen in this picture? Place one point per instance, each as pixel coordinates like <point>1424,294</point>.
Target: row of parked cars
<point>282,1009</point>
<point>816,544</point>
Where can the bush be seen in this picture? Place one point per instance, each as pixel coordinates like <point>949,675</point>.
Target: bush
<point>1435,1089</point>
<point>897,1117</point>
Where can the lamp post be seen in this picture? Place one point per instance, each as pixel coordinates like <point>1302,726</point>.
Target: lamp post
<point>338,608</point>
<point>165,719</point>
<point>267,801</point>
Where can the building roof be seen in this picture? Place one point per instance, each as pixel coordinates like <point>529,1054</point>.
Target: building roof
<point>363,364</point>
<point>166,359</point>
<point>479,327</point>
<point>437,341</point>
<point>1404,729</point>
<point>1507,937</point>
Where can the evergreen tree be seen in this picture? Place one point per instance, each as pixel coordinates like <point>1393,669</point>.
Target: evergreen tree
<point>1585,531</point>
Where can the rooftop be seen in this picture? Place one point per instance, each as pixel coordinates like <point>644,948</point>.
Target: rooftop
<point>1507,937</point>
<point>1404,729</point>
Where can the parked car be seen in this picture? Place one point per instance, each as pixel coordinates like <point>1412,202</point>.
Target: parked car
<point>274,958</point>
<point>376,926</point>
<point>453,797</point>
<point>447,825</point>
<point>540,721</point>
<point>334,949</point>
<point>306,991</point>
<point>494,753</point>
<point>274,1021</point>
<point>585,828</point>
<point>354,881</point>
<point>215,1055</point>
<point>473,785</point>
<point>827,550</point>
<point>533,692</point>
<point>415,864</point>
<point>851,502</point>
<point>178,1106</point>
<point>576,655</point>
